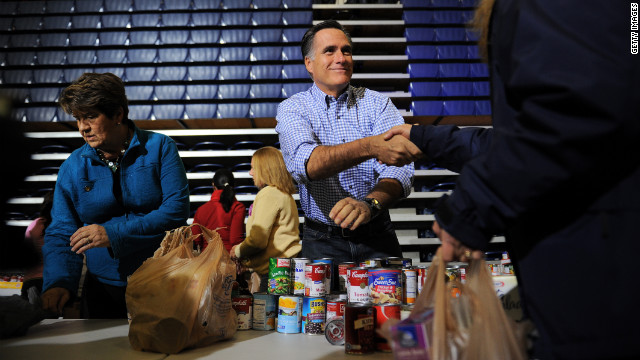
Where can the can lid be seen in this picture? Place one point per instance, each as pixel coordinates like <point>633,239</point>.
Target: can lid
<point>334,331</point>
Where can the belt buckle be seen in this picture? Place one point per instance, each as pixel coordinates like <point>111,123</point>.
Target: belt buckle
<point>346,235</point>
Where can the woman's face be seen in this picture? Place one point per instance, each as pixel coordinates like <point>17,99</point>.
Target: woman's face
<point>253,174</point>
<point>98,130</point>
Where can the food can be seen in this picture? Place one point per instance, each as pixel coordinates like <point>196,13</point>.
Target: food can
<point>335,308</point>
<point>495,266</point>
<point>385,312</point>
<point>410,284</point>
<point>358,285</point>
<point>407,262</point>
<point>328,274</point>
<point>422,276</point>
<point>264,311</point>
<point>289,314</point>
<point>314,281</point>
<point>313,315</point>
<point>373,263</point>
<point>342,275</point>
<point>359,328</point>
<point>279,276</point>
<point>393,262</point>
<point>334,331</point>
<point>297,269</point>
<point>405,311</point>
<point>385,286</point>
<point>242,304</point>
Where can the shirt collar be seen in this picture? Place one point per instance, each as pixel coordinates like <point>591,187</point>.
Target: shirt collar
<point>323,98</point>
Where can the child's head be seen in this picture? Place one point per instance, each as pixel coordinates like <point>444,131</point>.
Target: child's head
<point>268,168</point>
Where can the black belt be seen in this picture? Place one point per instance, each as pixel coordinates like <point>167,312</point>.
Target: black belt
<point>362,230</point>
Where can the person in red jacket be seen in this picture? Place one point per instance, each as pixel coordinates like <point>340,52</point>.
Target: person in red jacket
<point>222,213</point>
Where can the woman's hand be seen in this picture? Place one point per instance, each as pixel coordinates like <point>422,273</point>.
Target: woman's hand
<point>452,249</point>
<point>88,237</point>
<point>54,299</point>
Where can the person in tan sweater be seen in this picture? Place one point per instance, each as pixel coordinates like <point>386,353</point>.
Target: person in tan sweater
<point>273,226</point>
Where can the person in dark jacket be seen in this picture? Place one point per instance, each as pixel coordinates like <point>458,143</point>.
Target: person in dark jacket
<point>559,173</point>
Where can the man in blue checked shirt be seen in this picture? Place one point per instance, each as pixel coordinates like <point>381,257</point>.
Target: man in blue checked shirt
<point>332,140</point>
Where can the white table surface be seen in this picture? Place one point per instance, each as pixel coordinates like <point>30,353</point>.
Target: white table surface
<point>107,339</point>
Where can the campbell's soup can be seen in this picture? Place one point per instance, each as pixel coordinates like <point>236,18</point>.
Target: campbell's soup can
<point>385,312</point>
<point>264,311</point>
<point>422,277</point>
<point>410,285</point>
<point>342,275</point>
<point>358,286</point>
<point>313,315</point>
<point>328,274</point>
<point>279,276</point>
<point>335,308</point>
<point>242,304</point>
<point>314,281</point>
<point>289,314</point>
<point>298,271</point>
<point>359,328</point>
<point>334,331</point>
<point>385,286</point>
<point>373,263</point>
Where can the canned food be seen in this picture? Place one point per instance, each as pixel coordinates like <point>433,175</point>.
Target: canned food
<point>385,312</point>
<point>385,286</point>
<point>358,285</point>
<point>334,331</point>
<point>289,314</point>
<point>422,277</point>
<point>359,327</point>
<point>328,274</point>
<point>373,263</point>
<point>410,284</point>
<point>342,275</point>
<point>335,308</point>
<point>297,269</point>
<point>264,311</point>
<point>313,315</point>
<point>407,262</point>
<point>314,282</point>
<point>405,311</point>
<point>279,276</point>
<point>242,304</point>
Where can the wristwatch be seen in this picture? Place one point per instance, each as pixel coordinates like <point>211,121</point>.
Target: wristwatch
<point>374,206</point>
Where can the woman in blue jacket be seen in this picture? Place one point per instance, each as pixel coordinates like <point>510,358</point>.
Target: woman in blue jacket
<point>114,199</point>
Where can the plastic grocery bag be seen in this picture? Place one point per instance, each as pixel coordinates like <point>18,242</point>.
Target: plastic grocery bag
<point>178,299</point>
<point>460,321</point>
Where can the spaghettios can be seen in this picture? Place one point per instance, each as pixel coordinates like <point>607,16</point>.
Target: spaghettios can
<point>358,285</point>
<point>410,284</point>
<point>313,315</point>
<point>335,308</point>
<point>385,312</point>
<point>342,275</point>
<point>314,281</point>
<point>264,311</point>
<point>359,328</point>
<point>289,314</point>
<point>279,276</point>
<point>328,274</point>
<point>242,304</point>
<point>385,286</point>
<point>298,274</point>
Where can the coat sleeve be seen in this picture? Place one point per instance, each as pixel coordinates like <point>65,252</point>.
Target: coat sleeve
<point>236,231</point>
<point>265,211</point>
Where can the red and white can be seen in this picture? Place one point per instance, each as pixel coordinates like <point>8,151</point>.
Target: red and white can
<point>335,308</point>
<point>314,279</point>
<point>342,275</point>
<point>242,304</point>
<point>422,276</point>
<point>385,312</point>
<point>358,285</point>
<point>410,284</point>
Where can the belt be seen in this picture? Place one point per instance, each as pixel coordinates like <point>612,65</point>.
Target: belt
<point>362,230</point>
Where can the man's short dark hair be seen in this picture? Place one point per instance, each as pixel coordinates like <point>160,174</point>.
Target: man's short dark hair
<point>307,40</point>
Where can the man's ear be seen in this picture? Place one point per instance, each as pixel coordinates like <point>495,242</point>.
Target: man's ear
<point>307,64</point>
<point>119,115</point>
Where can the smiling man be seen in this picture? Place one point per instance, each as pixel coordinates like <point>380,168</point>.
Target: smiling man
<point>331,137</point>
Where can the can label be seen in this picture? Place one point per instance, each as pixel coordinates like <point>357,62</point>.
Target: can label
<point>313,315</point>
<point>242,304</point>
<point>373,263</point>
<point>289,314</point>
<point>298,270</point>
<point>385,312</point>
<point>335,309</point>
<point>327,274</point>
<point>358,285</point>
<point>314,282</point>
<point>359,327</point>
<point>385,286</point>
<point>264,311</point>
<point>342,275</point>
<point>393,262</point>
<point>410,286</point>
<point>279,276</point>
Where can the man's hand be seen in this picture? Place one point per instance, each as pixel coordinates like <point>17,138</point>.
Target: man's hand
<point>402,130</point>
<point>350,213</point>
<point>452,249</point>
<point>397,151</point>
<point>88,237</point>
<point>54,299</point>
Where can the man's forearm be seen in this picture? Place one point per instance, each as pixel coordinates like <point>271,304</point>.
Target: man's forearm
<point>387,191</point>
<point>326,161</point>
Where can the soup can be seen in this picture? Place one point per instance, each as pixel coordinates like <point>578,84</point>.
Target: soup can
<point>385,286</point>
<point>289,314</point>
<point>298,272</point>
<point>264,311</point>
<point>335,308</point>
<point>358,285</point>
<point>385,312</point>
<point>359,328</point>
<point>334,331</point>
<point>314,282</point>
<point>410,284</point>
<point>242,304</point>
<point>279,276</point>
<point>342,275</point>
<point>328,283</point>
<point>313,315</point>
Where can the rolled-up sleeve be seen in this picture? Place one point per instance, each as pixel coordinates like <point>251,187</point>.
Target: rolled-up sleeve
<point>297,139</point>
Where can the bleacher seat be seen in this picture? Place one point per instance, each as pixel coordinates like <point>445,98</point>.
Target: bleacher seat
<point>297,17</point>
<point>205,19</point>
<point>237,110</point>
<point>200,168</point>
<point>47,170</point>
<point>260,18</point>
<point>140,112</point>
<point>260,35</point>
<point>294,71</point>
<point>454,70</point>
<point>201,111</point>
<point>171,73</point>
<point>207,4</point>
<point>234,72</point>
<point>241,167</point>
<point>8,7</point>
<point>24,40</point>
<point>267,4</point>
<point>139,92</point>
<point>111,56</point>
<point>271,90</point>
<point>479,70</point>
<point>51,57</point>
<point>89,6</point>
<point>119,21</point>
<point>174,36</point>
<point>258,110</point>
<point>452,52</point>
<point>143,73</point>
<point>28,23</point>
<point>425,88</point>
<point>246,189</point>
<point>6,23</point>
<point>113,37</point>
<point>233,91</point>
<point>292,4</point>
<point>472,35</point>
<point>423,70</point>
<point>204,54</point>
<point>88,22</point>
<point>231,18</point>
<point>482,107</point>
<point>118,5</point>
<point>235,36</point>
<point>48,76</point>
<point>446,3</point>
<point>457,88</point>
<point>170,92</point>
<point>19,114</point>
<point>448,17</point>
<point>54,39</point>
<point>247,145</point>
<point>59,6</point>
<point>147,37</point>
<point>117,71</point>
<point>205,36</point>
<point>175,19</point>
<point>417,17</point>
<point>200,92</point>
<point>421,52</point>
<point>56,22</point>
<point>459,107</point>
<point>291,53</point>
<point>481,88</point>
<point>206,72</point>
<point>266,72</point>
<point>63,116</point>
<point>21,58</point>
<point>289,89</point>
<point>234,53</point>
<point>427,107</point>
<point>266,53</point>
<point>419,34</point>
<point>41,113</point>
<point>46,94</point>
<point>142,55</point>
<point>83,39</point>
<point>236,4</point>
<point>20,95</point>
<point>293,34</point>
<point>71,74</point>
<point>168,111</point>
<point>173,54</point>
<point>79,57</point>
<point>451,34</point>
<point>208,145</point>
<point>147,4</point>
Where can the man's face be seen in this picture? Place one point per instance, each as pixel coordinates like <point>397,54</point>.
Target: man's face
<point>332,63</point>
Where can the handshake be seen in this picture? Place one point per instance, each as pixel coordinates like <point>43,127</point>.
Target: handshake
<point>394,147</point>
